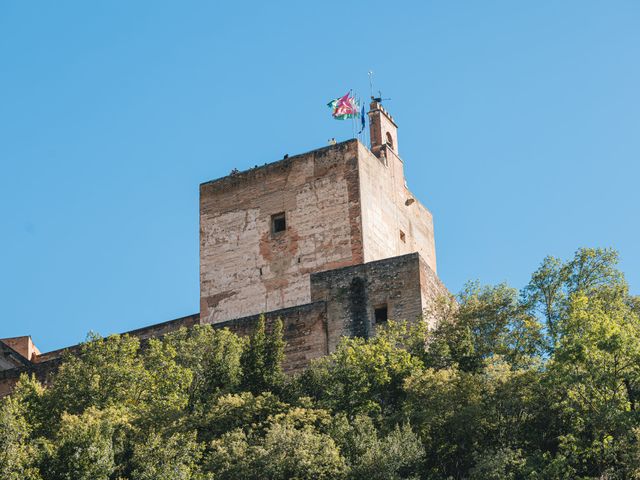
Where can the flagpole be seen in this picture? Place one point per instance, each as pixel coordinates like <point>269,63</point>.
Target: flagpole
<point>356,116</point>
<point>354,119</point>
<point>353,130</point>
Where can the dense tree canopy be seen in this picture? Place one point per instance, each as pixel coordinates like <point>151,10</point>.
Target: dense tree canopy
<point>538,384</point>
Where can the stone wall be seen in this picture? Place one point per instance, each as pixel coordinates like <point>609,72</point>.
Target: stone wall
<point>246,268</point>
<point>42,371</point>
<point>7,383</point>
<point>431,288</point>
<point>22,345</point>
<point>352,295</point>
<point>393,221</point>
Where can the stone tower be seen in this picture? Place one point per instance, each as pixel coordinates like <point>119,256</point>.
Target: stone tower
<point>266,231</point>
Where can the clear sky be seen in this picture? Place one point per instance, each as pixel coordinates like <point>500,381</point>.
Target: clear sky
<point>519,129</point>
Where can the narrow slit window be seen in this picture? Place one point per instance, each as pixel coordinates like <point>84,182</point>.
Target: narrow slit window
<point>380,314</point>
<point>278,223</point>
<point>402,236</point>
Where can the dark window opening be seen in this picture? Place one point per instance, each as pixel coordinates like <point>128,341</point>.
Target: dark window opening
<point>278,223</point>
<point>402,236</point>
<point>380,314</point>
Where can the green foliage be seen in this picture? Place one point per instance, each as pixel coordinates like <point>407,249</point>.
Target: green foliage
<point>372,456</point>
<point>362,376</point>
<point>504,464</point>
<point>238,411</point>
<point>262,360</point>
<point>173,458</point>
<point>488,321</point>
<point>212,357</point>
<point>16,454</point>
<point>106,372</point>
<point>590,272</point>
<point>494,384</point>
<point>596,368</point>
<point>83,448</point>
<point>284,452</point>
<point>164,392</point>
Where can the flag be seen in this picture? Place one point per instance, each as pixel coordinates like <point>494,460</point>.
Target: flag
<point>362,120</point>
<point>344,107</point>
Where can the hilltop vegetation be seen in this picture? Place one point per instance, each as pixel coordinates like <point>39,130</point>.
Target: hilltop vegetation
<point>538,384</point>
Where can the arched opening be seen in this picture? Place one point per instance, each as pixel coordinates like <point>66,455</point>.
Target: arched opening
<point>389,140</point>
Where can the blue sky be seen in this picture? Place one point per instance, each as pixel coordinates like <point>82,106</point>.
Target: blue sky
<point>519,128</point>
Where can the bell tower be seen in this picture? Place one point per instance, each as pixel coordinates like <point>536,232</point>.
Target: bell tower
<point>383,130</point>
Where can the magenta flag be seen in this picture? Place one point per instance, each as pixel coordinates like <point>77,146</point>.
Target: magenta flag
<point>344,107</point>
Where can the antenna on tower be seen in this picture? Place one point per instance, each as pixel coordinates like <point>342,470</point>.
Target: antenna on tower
<point>379,98</point>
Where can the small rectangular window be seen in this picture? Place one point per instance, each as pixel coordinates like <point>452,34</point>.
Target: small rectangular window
<point>402,236</point>
<point>278,223</point>
<point>380,314</point>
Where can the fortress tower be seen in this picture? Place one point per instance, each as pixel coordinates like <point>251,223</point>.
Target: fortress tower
<point>330,241</point>
<point>264,232</point>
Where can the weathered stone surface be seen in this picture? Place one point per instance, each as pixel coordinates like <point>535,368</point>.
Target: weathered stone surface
<point>394,222</point>
<point>22,345</point>
<point>352,294</point>
<point>343,206</point>
<point>246,268</point>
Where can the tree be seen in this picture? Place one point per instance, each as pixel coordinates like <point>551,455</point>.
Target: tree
<point>213,357</point>
<point>596,368</point>
<point>262,359</point>
<point>17,456</point>
<point>167,458</point>
<point>105,372</point>
<point>285,452</point>
<point>83,448</point>
<point>164,386</point>
<point>362,376</point>
<point>243,411</point>
<point>541,385</point>
<point>372,456</point>
<point>461,415</point>
<point>488,320</point>
<point>592,271</point>
<point>503,464</point>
